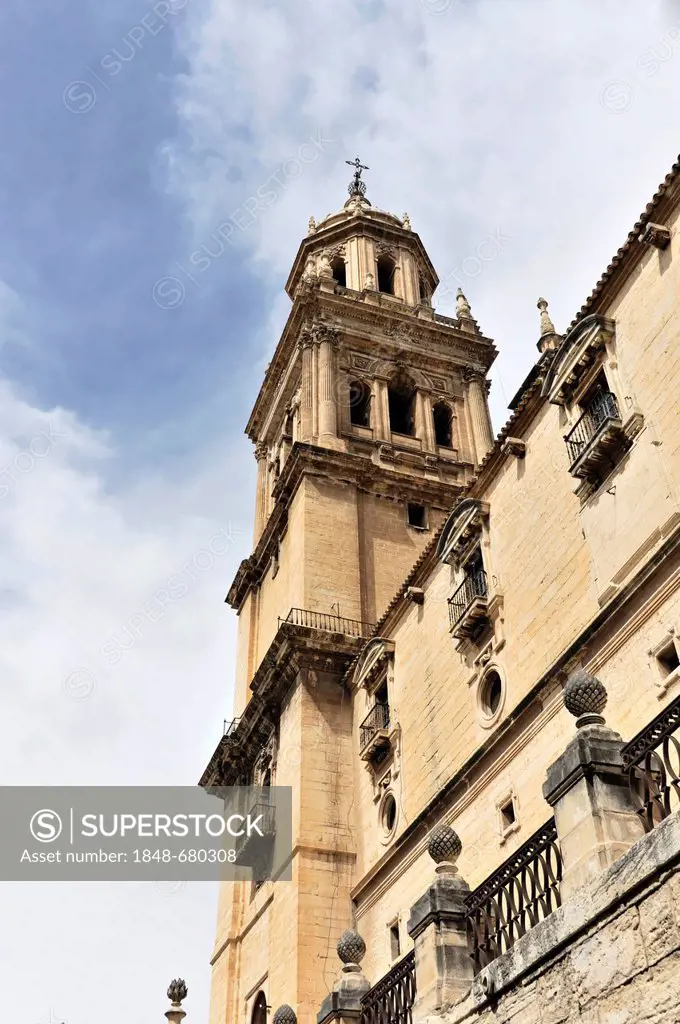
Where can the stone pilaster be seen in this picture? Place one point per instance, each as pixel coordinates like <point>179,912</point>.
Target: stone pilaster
<point>261,490</point>
<point>587,787</point>
<point>380,411</point>
<point>482,434</point>
<point>307,395</point>
<point>437,925</point>
<point>327,400</point>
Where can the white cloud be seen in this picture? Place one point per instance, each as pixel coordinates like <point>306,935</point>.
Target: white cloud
<point>81,566</point>
<point>498,114</point>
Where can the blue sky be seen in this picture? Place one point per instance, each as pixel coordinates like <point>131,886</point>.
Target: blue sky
<point>533,129</point>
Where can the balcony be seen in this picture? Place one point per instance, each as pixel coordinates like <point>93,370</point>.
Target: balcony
<point>254,850</point>
<point>328,623</point>
<point>596,439</point>
<point>373,731</point>
<point>469,606</point>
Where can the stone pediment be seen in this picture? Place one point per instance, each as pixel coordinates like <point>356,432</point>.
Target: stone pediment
<point>575,356</point>
<point>373,661</point>
<point>462,529</point>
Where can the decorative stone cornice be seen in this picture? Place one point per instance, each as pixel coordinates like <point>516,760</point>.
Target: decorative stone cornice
<point>440,340</point>
<point>293,649</point>
<point>360,470</point>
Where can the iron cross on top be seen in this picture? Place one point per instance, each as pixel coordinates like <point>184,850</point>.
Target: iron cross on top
<point>358,168</point>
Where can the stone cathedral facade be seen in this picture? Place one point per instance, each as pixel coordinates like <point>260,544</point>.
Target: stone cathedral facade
<point>461,652</point>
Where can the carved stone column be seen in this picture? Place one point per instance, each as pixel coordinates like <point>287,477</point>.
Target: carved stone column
<point>308,389</point>
<point>380,411</point>
<point>595,813</point>
<point>438,927</point>
<point>328,411</point>
<point>261,491</point>
<point>424,422</point>
<point>482,434</point>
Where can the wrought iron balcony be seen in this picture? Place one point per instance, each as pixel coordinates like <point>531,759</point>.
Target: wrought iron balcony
<point>328,623</point>
<point>391,999</point>
<point>596,438</point>
<point>653,762</point>
<point>254,848</point>
<point>522,892</point>
<point>373,731</point>
<point>468,606</point>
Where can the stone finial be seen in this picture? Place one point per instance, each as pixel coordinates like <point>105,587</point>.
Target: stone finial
<point>444,847</point>
<point>406,221</point>
<point>351,947</point>
<point>462,306</point>
<point>312,226</point>
<point>547,326</point>
<point>177,991</point>
<point>585,698</point>
<point>549,337</point>
<point>285,1015</point>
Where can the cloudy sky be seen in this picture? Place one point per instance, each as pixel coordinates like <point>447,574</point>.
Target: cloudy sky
<point>160,163</point>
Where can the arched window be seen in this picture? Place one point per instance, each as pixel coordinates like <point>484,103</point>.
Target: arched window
<point>359,404</point>
<point>386,268</point>
<point>443,424</point>
<point>401,395</point>
<point>259,1014</point>
<point>339,271</point>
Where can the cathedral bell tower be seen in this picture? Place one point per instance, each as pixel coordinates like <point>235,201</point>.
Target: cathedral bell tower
<point>371,419</point>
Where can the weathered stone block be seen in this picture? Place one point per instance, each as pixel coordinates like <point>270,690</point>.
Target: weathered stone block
<point>608,958</point>
<point>660,932</point>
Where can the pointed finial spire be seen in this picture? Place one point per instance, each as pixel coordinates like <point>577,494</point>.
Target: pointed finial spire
<point>406,221</point>
<point>463,306</point>
<point>312,226</point>
<point>549,337</point>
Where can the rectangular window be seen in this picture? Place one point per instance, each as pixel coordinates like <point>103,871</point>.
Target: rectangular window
<point>508,816</point>
<point>395,942</point>
<point>417,515</point>
<point>668,658</point>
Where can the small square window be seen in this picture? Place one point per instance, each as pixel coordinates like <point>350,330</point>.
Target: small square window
<point>395,941</point>
<point>417,515</point>
<point>508,816</point>
<point>668,658</point>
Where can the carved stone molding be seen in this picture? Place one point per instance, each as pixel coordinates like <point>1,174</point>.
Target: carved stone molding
<point>656,235</point>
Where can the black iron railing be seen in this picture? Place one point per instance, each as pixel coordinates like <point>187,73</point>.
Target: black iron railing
<point>652,760</point>
<point>230,727</point>
<point>377,718</point>
<point>329,623</point>
<point>602,408</point>
<point>522,892</point>
<point>262,816</point>
<point>391,1000</point>
<point>472,587</point>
